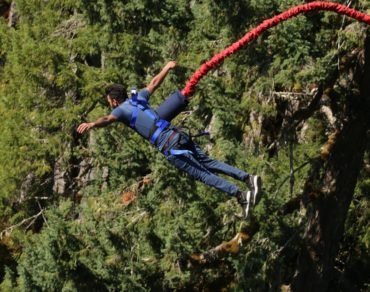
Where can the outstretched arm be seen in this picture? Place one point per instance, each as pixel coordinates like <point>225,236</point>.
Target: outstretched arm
<point>157,80</point>
<point>101,122</point>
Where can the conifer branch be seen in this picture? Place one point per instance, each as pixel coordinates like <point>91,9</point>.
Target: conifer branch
<point>288,177</point>
<point>42,214</point>
<point>8,231</point>
<point>288,94</point>
<point>137,218</point>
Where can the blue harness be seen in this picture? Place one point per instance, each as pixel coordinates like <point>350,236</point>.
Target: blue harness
<point>161,124</point>
<point>143,105</point>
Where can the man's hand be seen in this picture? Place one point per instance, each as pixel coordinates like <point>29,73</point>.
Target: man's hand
<point>171,65</point>
<point>101,122</point>
<point>85,127</point>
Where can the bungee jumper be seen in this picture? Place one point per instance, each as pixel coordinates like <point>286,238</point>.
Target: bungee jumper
<point>176,145</point>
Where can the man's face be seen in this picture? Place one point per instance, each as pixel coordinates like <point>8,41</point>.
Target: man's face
<point>113,103</point>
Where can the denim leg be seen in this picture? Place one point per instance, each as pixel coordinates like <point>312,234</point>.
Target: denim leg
<point>218,166</point>
<point>194,168</point>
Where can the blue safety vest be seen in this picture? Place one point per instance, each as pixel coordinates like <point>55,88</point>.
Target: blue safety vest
<point>145,120</point>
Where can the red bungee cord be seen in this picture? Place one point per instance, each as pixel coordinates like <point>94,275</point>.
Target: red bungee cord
<point>267,24</point>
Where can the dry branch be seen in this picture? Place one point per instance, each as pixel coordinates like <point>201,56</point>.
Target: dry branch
<point>230,247</point>
<point>130,194</point>
<point>8,231</point>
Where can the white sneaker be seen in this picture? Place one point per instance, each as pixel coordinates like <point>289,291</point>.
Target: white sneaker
<point>254,183</point>
<point>244,201</point>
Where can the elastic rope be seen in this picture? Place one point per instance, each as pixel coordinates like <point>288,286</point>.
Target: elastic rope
<point>265,25</point>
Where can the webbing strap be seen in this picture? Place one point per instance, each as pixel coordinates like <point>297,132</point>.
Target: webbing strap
<point>133,102</point>
<point>178,152</point>
<point>134,115</point>
<point>161,124</point>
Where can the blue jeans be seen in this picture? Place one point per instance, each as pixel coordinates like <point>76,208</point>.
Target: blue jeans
<point>201,167</point>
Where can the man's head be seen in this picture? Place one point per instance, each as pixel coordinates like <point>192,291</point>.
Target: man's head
<point>116,94</point>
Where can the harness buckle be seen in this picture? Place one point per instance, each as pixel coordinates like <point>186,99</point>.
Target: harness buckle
<point>133,90</point>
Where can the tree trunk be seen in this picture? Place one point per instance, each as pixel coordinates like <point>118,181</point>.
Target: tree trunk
<point>329,190</point>
<point>12,18</point>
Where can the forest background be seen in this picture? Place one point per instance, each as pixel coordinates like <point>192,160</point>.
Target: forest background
<point>106,212</point>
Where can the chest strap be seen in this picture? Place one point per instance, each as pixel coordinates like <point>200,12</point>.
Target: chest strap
<point>133,102</point>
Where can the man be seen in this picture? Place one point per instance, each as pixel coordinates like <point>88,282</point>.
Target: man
<point>176,145</point>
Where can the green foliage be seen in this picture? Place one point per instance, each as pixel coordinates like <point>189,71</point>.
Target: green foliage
<point>54,66</point>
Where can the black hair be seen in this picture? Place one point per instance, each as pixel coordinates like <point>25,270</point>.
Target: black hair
<point>116,91</point>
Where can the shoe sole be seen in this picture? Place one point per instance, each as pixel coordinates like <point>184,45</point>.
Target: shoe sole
<point>257,183</point>
<point>246,209</point>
